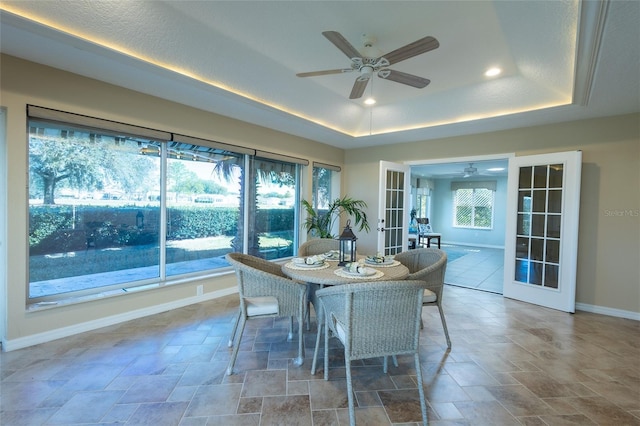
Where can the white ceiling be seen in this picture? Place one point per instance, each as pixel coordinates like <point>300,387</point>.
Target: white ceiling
<point>562,60</point>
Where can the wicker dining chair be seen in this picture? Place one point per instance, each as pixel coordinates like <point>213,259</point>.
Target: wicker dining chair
<point>311,248</point>
<point>318,246</point>
<point>373,319</point>
<point>265,292</point>
<point>428,264</point>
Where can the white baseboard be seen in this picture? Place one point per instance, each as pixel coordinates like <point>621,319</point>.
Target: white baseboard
<point>612,312</point>
<point>36,339</point>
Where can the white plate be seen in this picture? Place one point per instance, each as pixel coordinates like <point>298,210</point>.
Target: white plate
<point>373,262</point>
<point>367,272</point>
<point>306,265</point>
<point>332,255</point>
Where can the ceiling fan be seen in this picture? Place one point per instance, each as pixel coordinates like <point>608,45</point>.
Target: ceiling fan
<point>470,171</point>
<point>366,64</point>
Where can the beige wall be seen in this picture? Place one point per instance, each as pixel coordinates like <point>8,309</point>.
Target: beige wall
<point>609,252</point>
<point>609,243</point>
<point>25,83</point>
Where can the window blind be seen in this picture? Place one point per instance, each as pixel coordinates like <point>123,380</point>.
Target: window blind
<point>281,157</point>
<point>327,166</point>
<point>114,127</point>
<point>190,140</point>
<point>474,184</point>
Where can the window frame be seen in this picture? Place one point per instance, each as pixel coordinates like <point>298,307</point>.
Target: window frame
<point>473,206</point>
<point>64,121</point>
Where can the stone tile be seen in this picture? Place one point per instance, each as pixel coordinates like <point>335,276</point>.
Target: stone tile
<point>365,416</point>
<point>567,420</point>
<point>542,385</point>
<point>511,363</point>
<point>444,389</point>
<point>290,410</point>
<point>328,394</point>
<point>233,420</point>
<point>486,413</point>
<point>402,406</point>
<point>264,383</point>
<point>86,407</point>
<point>367,399</point>
<point>27,417</point>
<point>626,397</point>
<point>150,389</point>
<point>469,374</point>
<point>154,414</point>
<point>446,410</point>
<point>519,400</point>
<point>298,387</point>
<point>214,400</point>
<point>325,418</point>
<point>604,412</point>
<point>250,405</point>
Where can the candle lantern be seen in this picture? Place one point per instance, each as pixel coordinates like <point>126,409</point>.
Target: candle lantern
<point>347,245</point>
<point>140,220</point>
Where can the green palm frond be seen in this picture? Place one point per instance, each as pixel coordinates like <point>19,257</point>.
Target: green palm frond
<point>320,224</point>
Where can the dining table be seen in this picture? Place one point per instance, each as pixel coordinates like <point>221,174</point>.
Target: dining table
<point>329,273</point>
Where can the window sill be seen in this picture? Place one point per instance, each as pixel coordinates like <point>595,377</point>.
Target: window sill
<point>74,300</point>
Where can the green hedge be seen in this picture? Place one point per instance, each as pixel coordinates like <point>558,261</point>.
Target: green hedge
<point>63,228</point>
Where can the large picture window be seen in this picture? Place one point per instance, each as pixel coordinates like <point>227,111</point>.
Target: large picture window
<point>473,204</point>
<point>322,185</point>
<point>110,210</point>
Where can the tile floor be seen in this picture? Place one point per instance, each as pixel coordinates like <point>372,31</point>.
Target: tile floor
<point>511,364</point>
<point>482,269</point>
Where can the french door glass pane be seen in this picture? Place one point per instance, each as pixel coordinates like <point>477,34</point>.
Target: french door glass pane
<point>538,225</point>
<point>394,219</point>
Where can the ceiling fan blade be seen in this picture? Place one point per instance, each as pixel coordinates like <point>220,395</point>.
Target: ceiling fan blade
<point>412,49</point>
<point>325,72</point>
<point>341,43</point>
<point>358,88</point>
<point>404,78</point>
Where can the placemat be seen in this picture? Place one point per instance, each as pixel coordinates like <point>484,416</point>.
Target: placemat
<point>381,265</point>
<point>292,265</point>
<point>343,274</point>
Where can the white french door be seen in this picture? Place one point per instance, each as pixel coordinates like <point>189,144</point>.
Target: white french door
<point>541,235</point>
<point>393,216</point>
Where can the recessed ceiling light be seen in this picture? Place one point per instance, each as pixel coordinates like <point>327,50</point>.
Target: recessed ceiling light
<point>370,101</point>
<point>495,169</point>
<point>492,72</point>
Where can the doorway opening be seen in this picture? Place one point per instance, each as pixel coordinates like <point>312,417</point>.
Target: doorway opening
<point>474,245</point>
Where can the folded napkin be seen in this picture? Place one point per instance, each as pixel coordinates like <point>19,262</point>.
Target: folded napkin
<point>378,258</point>
<point>311,260</point>
<point>332,254</point>
<point>359,268</point>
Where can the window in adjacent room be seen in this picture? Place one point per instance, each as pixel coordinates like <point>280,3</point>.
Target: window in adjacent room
<point>473,204</point>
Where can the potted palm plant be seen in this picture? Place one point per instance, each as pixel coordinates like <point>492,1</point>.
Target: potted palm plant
<point>319,224</point>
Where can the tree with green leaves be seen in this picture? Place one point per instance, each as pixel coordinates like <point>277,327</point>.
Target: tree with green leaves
<point>77,160</point>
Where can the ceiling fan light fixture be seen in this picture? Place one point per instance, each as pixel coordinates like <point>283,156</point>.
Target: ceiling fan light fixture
<point>493,72</point>
<point>366,71</point>
<point>370,101</point>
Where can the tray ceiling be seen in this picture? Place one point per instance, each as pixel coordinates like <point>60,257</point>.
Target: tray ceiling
<point>560,60</point>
